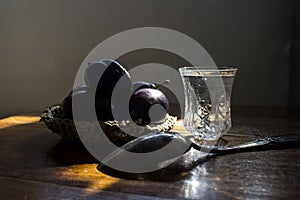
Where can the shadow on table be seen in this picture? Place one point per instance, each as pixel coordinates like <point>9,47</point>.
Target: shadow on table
<point>34,146</point>
<point>173,169</point>
<point>66,153</point>
<point>34,153</point>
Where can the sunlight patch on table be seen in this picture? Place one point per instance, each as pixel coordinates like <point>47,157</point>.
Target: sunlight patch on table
<point>18,120</point>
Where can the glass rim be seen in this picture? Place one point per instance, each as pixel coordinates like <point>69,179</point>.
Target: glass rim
<point>216,68</point>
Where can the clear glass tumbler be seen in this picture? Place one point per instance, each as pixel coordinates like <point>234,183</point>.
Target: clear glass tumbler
<point>207,100</point>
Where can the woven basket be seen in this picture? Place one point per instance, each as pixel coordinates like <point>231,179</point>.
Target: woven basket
<point>117,132</point>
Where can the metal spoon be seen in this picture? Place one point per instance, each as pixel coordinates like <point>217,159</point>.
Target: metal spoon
<point>182,147</point>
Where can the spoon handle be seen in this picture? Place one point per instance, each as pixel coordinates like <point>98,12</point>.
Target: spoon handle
<point>267,143</point>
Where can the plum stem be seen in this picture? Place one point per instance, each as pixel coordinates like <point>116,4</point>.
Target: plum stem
<point>163,83</point>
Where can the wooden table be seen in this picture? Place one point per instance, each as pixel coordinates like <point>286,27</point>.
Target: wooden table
<point>35,164</point>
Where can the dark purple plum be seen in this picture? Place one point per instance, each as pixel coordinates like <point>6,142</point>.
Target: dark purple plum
<point>81,98</point>
<point>108,73</point>
<point>111,75</point>
<point>141,102</point>
<point>93,73</point>
<point>103,109</point>
<point>79,88</point>
<point>104,75</point>
<point>109,61</point>
<point>142,84</point>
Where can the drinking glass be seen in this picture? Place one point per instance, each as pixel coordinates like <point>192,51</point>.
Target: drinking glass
<point>207,100</point>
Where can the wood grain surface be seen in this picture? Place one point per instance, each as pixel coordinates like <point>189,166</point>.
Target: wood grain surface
<point>36,164</point>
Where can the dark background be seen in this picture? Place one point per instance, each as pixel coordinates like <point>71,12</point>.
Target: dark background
<point>43,43</point>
